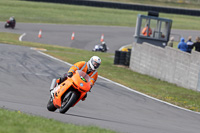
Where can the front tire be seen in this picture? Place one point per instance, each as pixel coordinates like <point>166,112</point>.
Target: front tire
<point>6,25</point>
<point>50,105</point>
<point>69,99</point>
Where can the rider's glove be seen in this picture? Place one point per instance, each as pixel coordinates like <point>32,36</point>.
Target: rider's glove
<point>58,80</point>
<point>61,79</point>
<point>69,74</point>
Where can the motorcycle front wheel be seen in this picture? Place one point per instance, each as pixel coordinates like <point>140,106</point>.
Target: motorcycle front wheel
<point>6,25</point>
<point>50,105</point>
<point>69,99</point>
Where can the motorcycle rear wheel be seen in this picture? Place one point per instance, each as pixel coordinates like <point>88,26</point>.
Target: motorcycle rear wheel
<point>69,99</point>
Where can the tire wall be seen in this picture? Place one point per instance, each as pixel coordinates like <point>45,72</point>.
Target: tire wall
<point>122,58</point>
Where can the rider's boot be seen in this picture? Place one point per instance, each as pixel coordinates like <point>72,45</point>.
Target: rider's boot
<point>83,99</point>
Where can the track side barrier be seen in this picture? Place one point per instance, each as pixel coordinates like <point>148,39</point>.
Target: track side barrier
<point>138,7</point>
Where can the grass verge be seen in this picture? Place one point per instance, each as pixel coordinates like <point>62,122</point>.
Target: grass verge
<point>18,122</point>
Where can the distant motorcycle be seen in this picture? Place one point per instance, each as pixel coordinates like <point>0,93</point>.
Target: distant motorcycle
<point>10,24</point>
<point>100,48</point>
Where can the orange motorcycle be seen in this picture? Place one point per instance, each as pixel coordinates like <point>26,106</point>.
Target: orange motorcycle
<point>68,93</point>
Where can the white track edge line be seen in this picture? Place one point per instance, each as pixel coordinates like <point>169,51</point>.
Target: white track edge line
<point>20,38</point>
<point>127,87</point>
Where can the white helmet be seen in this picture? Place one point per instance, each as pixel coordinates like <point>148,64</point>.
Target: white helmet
<point>94,62</point>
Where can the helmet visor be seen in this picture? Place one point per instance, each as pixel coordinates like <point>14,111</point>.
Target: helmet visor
<point>95,64</point>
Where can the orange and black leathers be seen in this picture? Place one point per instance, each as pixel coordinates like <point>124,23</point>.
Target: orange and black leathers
<point>82,65</point>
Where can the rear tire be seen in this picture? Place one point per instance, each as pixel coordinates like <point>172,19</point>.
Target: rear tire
<point>50,105</point>
<point>68,101</point>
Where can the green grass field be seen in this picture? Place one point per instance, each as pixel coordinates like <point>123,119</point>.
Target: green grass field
<point>39,12</point>
<point>18,122</point>
<point>33,12</point>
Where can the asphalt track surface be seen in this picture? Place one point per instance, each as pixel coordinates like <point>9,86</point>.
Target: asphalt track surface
<point>26,75</point>
<point>86,37</point>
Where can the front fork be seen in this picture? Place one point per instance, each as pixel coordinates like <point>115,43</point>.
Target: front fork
<point>53,85</point>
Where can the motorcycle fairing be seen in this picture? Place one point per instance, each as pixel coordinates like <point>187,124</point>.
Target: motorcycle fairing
<point>77,82</point>
<point>59,91</point>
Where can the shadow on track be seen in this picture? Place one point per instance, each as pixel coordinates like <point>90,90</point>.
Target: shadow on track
<point>98,119</point>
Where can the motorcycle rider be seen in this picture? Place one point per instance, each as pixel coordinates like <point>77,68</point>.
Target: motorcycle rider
<point>104,47</point>
<point>12,18</point>
<point>100,47</point>
<point>89,67</point>
<point>12,21</point>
